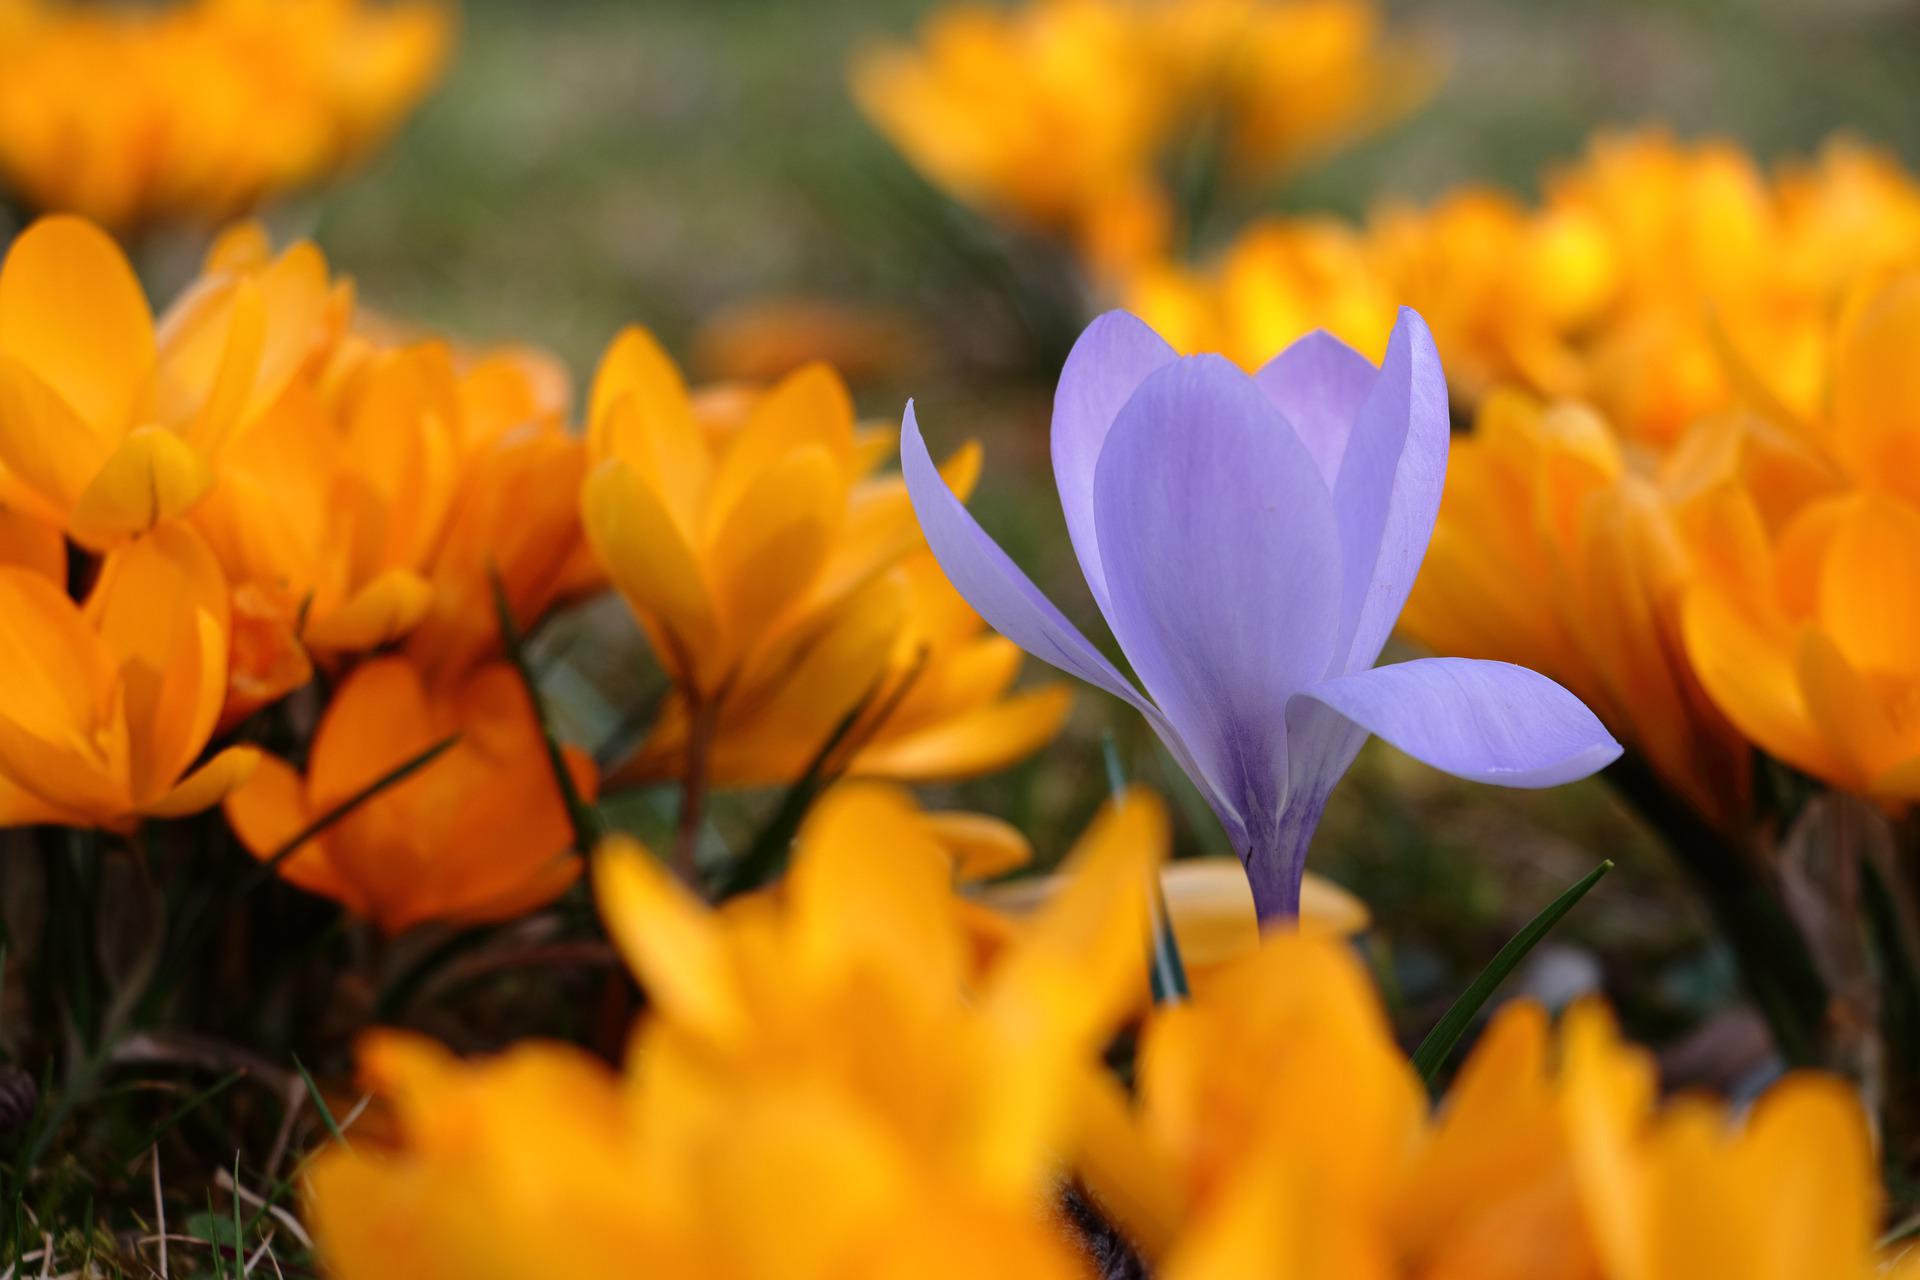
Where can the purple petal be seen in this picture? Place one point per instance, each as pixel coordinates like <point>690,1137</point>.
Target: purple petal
<point>1110,359</point>
<point>1484,721</point>
<point>990,581</point>
<point>1222,567</point>
<point>1319,384</point>
<point>1388,491</point>
<point>1006,598</point>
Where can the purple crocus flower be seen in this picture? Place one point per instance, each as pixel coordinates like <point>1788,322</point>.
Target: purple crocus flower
<point>1251,541</point>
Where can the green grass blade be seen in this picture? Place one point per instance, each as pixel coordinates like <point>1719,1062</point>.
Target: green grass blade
<point>585,821</point>
<point>767,855</point>
<point>391,778</point>
<point>1433,1051</point>
<point>326,1112</point>
<point>1167,973</point>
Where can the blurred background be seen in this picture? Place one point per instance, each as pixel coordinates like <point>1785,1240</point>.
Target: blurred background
<point>586,165</point>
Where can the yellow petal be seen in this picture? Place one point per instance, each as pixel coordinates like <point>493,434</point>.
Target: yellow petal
<point>980,741</point>
<point>376,615</point>
<point>30,543</point>
<point>1748,672</point>
<point>981,847</point>
<point>640,413</point>
<point>644,553</point>
<point>161,606</point>
<point>810,406</point>
<point>669,941</point>
<point>1858,728</point>
<point>206,786</point>
<point>48,449</point>
<point>73,311</point>
<point>767,552</point>
<point>1869,599</point>
<point>153,476</point>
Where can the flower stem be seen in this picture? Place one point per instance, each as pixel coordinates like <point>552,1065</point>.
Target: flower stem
<point>703,715</point>
<point>1773,958</point>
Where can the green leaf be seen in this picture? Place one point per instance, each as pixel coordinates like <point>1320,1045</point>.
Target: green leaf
<point>586,822</point>
<point>1433,1051</point>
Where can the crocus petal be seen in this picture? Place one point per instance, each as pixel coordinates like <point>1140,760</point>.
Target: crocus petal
<point>71,308</point>
<point>206,786</point>
<point>990,581</point>
<point>377,614</point>
<point>153,476</point>
<point>1319,385</point>
<point>1223,566</point>
<point>1388,490</point>
<point>1484,721</point>
<point>1103,370</point>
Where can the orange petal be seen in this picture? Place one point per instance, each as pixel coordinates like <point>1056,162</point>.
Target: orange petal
<point>206,786</point>
<point>73,311</point>
<point>980,741</point>
<point>45,446</point>
<point>649,560</point>
<point>153,476</point>
<point>765,555</point>
<point>981,847</point>
<point>376,615</point>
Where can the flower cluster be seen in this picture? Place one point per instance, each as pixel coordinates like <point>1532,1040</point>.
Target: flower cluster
<point>1064,116</point>
<point>202,109</point>
<point>200,514</point>
<point>846,1033</point>
<point>1648,275</point>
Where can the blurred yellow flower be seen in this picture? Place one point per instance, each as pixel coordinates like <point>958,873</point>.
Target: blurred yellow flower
<point>201,109</point>
<point>479,833</point>
<point>781,582</point>
<point>1210,905</point>
<point>1061,115</point>
<point>813,1091</point>
<point>1278,280</point>
<point>1290,1139</point>
<point>111,702</point>
<point>112,425</point>
<point>1652,278</point>
<point>1039,114</point>
<point>1556,549</point>
<point>1800,619</point>
<point>1286,81</point>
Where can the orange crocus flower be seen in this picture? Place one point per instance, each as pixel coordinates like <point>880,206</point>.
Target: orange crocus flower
<point>114,700</point>
<point>113,425</point>
<point>479,833</point>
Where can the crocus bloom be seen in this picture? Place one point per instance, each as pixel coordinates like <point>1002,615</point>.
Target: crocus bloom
<point>111,703</point>
<point>113,425</point>
<point>1251,540</point>
<point>198,109</point>
<point>1280,1132</point>
<point>1556,548</point>
<point>479,833</point>
<point>936,687</point>
<point>772,565</point>
<point>813,1090</point>
<point>1801,613</point>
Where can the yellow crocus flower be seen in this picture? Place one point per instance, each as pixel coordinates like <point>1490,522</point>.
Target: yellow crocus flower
<point>199,110</point>
<point>1801,618</point>
<point>821,1086</point>
<point>1277,281</point>
<point>112,424</point>
<point>1283,1135</point>
<point>782,584</point>
<point>1040,114</point>
<point>114,700</point>
<point>1556,550</point>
